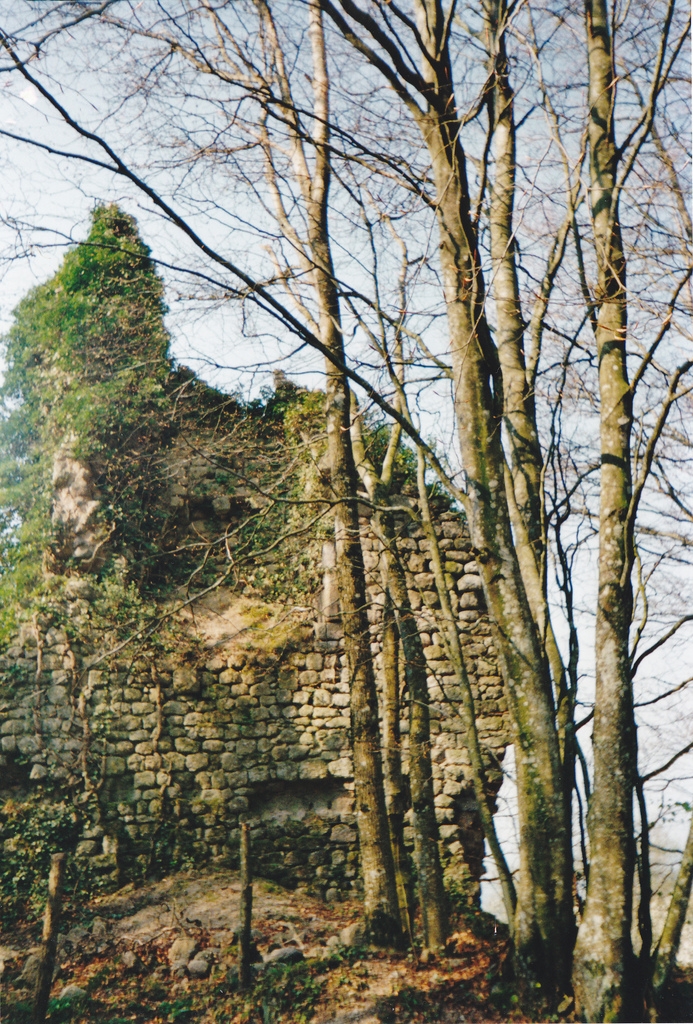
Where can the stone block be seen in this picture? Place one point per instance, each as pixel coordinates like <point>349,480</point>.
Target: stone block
<point>175,762</point>
<point>424,580</point>
<point>490,723</point>
<point>143,708</point>
<point>115,766</point>
<point>245,747</point>
<point>185,680</point>
<point>215,796</point>
<point>442,800</point>
<point>325,710</point>
<point>340,722</point>
<point>195,762</point>
<point>27,745</point>
<point>308,678</point>
<point>434,653</point>
<point>322,698</point>
<point>341,768</point>
<point>486,668</point>
<point>230,761</point>
<point>175,707</point>
<point>314,662</point>
<point>145,780</point>
<point>312,769</point>
<point>185,745</point>
<point>343,834</point>
<point>328,631</point>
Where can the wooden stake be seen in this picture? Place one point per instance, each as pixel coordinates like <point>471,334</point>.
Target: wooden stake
<point>51,923</point>
<point>244,934</point>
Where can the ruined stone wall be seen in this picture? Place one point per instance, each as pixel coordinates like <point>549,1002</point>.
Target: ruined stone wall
<point>168,755</point>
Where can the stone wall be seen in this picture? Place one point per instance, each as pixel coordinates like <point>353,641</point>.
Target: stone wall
<point>166,755</point>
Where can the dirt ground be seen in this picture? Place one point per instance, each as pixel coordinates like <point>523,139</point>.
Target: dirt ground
<point>118,955</point>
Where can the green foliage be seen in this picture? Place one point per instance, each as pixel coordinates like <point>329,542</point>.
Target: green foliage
<point>60,1011</point>
<point>87,354</point>
<point>287,994</point>
<point>30,831</point>
<point>408,1001</point>
<point>178,1010</point>
<point>503,996</point>
<point>87,366</point>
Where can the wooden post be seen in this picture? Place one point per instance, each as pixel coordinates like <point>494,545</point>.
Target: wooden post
<point>51,923</point>
<point>244,936</point>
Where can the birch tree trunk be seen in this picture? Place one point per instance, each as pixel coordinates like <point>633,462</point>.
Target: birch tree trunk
<point>524,478</point>
<point>381,905</point>
<point>603,974</point>
<point>449,631</point>
<point>395,795</point>
<point>544,924</point>
<point>430,887</point>
<point>426,851</point>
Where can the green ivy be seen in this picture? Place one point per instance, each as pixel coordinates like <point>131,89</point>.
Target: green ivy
<point>30,831</point>
<point>87,366</point>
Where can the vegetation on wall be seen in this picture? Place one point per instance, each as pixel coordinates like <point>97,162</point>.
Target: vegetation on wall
<point>89,374</point>
<point>87,364</point>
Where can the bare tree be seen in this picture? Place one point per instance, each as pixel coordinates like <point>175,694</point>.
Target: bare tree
<point>564,268</point>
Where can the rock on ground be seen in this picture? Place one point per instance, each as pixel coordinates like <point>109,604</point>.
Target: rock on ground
<point>181,952</point>
<point>72,992</point>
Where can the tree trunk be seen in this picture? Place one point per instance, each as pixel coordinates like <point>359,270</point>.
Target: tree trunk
<point>524,475</point>
<point>430,886</point>
<point>246,911</point>
<point>518,398</point>
<point>51,925</point>
<point>668,945</point>
<point>381,905</point>
<point>426,851</point>
<point>603,975</point>
<point>468,714</point>
<point>395,793</point>
<point>544,925</point>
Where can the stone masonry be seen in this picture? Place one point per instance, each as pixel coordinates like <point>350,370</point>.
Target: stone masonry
<point>166,756</point>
